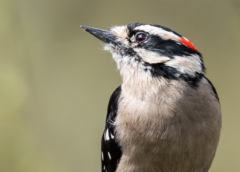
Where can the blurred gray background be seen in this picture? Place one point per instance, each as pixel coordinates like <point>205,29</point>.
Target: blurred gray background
<point>55,80</point>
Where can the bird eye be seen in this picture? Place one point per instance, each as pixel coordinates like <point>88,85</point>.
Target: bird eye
<point>140,37</point>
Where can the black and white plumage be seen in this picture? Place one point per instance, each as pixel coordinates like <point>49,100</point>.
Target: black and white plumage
<point>111,151</point>
<point>166,116</point>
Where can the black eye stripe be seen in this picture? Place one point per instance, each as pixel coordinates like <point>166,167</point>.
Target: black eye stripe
<point>167,48</point>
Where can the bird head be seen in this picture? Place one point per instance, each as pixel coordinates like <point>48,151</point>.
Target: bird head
<point>153,50</point>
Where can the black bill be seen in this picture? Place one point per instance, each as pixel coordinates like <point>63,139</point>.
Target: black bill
<point>104,35</point>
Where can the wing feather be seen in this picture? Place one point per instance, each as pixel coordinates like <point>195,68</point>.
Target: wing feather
<point>111,151</point>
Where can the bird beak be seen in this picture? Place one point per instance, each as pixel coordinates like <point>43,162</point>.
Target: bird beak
<point>104,35</point>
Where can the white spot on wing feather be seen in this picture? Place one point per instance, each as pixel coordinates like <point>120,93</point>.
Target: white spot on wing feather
<point>107,135</point>
<point>109,155</point>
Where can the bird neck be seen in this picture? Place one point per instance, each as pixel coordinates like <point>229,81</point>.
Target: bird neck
<point>139,84</point>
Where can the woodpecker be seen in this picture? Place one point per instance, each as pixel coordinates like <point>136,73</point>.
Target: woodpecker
<point>165,116</point>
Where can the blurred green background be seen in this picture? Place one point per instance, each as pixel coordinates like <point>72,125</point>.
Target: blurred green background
<point>55,80</point>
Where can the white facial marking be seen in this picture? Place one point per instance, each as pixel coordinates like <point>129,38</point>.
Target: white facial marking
<point>102,156</point>
<point>107,135</point>
<point>158,31</point>
<point>121,32</point>
<point>151,57</point>
<point>188,65</point>
<point>109,155</point>
<point>131,66</point>
<point>112,136</point>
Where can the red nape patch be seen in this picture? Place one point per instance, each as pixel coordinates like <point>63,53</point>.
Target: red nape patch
<point>188,43</point>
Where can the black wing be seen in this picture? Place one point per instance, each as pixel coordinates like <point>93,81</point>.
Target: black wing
<point>111,151</point>
<point>213,88</point>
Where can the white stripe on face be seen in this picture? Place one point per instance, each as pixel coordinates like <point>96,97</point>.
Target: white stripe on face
<point>158,31</point>
<point>187,65</point>
<point>151,57</point>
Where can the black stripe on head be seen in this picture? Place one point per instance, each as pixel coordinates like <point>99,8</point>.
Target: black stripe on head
<point>132,26</point>
<point>167,48</point>
<point>163,47</point>
<point>165,28</point>
<point>160,70</point>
